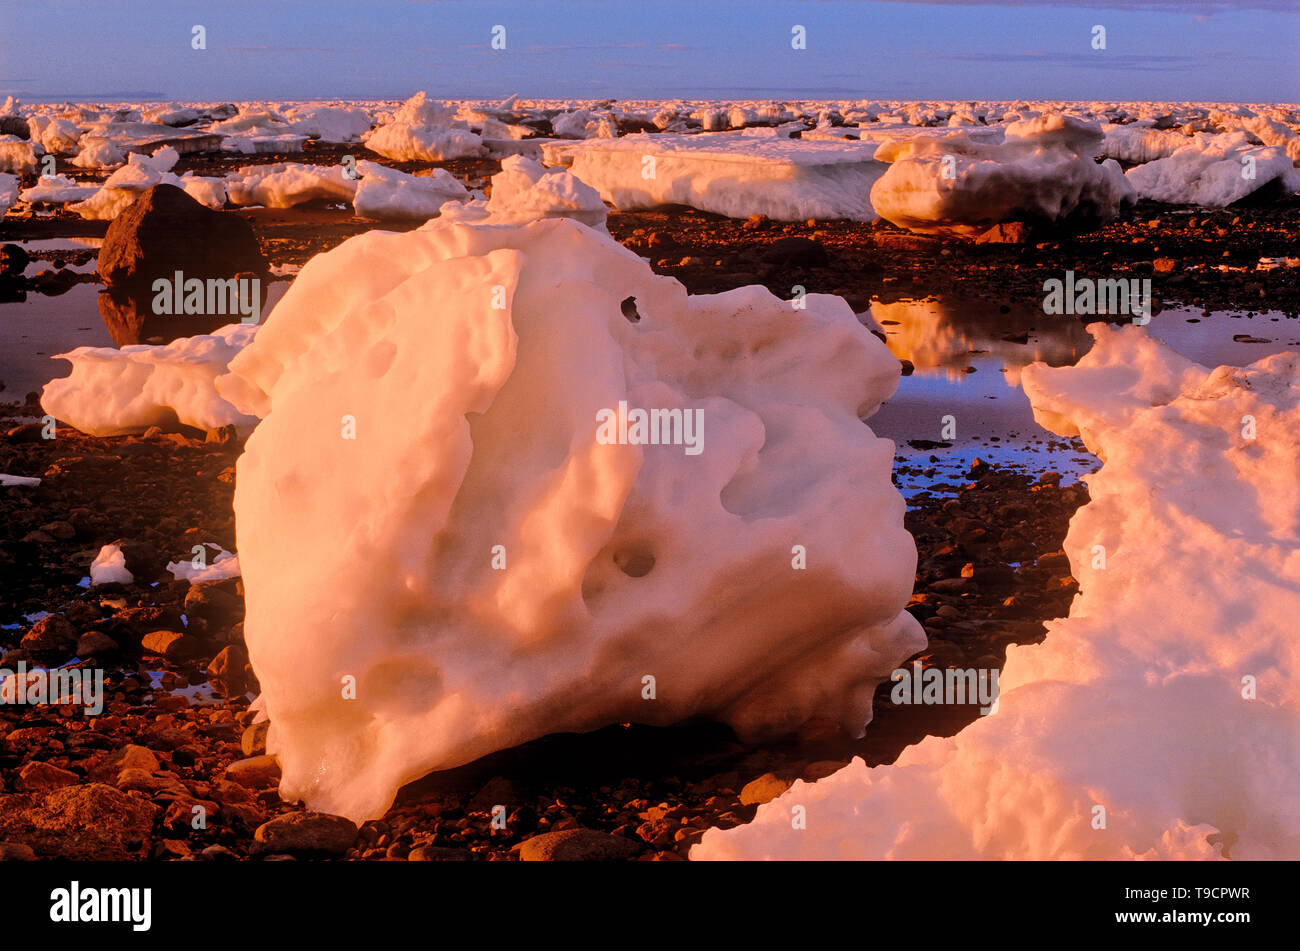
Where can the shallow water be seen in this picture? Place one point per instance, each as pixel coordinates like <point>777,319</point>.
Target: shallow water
<point>968,357</point>
<point>32,331</point>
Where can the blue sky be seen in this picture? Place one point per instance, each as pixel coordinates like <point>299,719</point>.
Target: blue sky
<point>114,49</point>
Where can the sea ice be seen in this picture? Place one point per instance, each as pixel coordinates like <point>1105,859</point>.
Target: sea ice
<point>112,392</point>
<point>1214,171</point>
<point>110,566</point>
<point>1043,171</point>
<point>728,174</point>
<point>1161,719</point>
<point>287,184</point>
<point>384,193</point>
<point>482,569</point>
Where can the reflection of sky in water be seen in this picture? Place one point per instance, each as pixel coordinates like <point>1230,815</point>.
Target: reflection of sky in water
<point>994,420</point>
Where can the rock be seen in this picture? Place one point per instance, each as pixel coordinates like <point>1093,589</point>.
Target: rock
<point>13,261</point>
<point>209,601</point>
<point>164,231</point>
<point>143,559</point>
<point>315,833</point>
<point>1007,232</point>
<point>229,665</point>
<point>256,772</point>
<point>62,531</point>
<point>27,432</point>
<point>577,845</point>
<point>171,644</point>
<point>222,436</point>
<point>96,644</point>
<point>764,789</point>
<point>15,125</point>
<point>821,769</point>
<point>51,633</point>
<point>130,756</point>
<point>796,251</point>
<point>754,222</point>
<point>430,853</point>
<point>94,822</point>
<point>42,777</point>
<point>253,741</point>
<point>498,792</point>
<point>1163,265</point>
<point>16,852</point>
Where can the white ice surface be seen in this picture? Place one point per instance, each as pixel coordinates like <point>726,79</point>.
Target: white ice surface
<point>470,361</point>
<point>1140,701</point>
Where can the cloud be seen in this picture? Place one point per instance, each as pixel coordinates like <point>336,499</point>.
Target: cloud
<point>1164,6</point>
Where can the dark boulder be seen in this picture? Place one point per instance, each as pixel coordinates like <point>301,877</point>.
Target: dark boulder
<point>164,231</point>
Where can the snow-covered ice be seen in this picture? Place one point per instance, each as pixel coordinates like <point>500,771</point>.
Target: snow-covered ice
<point>9,189</point>
<point>1169,698</point>
<point>384,192</point>
<point>1042,171</point>
<point>728,174</point>
<point>1214,171</point>
<point>484,569</point>
<point>422,130</point>
<point>112,392</point>
<point>110,566</point>
<point>286,184</point>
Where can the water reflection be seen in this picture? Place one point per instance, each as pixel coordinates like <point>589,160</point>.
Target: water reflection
<point>130,320</point>
<point>946,337</point>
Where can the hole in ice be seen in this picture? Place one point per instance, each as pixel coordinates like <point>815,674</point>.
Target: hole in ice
<point>629,309</point>
<point>634,564</point>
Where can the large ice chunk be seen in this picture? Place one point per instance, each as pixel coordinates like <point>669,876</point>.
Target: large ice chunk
<point>1043,172</point>
<point>113,392</point>
<point>728,174</point>
<point>1216,170</point>
<point>449,548</point>
<point>1161,719</point>
<point>387,193</point>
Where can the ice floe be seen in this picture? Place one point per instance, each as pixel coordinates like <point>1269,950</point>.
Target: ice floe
<point>286,184</point>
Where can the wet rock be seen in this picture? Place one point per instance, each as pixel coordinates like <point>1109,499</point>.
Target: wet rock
<point>498,792</point>
<point>1007,232</point>
<point>314,833</point>
<point>94,822</point>
<point>577,845</point>
<point>171,644</point>
<point>13,261</point>
<point>209,601</point>
<point>143,559</point>
<point>164,231</point>
<point>96,644</point>
<point>253,740</point>
<point>228,665</point>
<point>764,789</point>
<point>1163,265</point>
<point>796,251</point>
<point>256,772</point>
<point>430,853</point>
<point>42,777</point>
<point>16,852</point>
<point>53,633</point>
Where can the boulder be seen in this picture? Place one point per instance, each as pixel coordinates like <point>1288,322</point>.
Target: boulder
<point>164,231</point>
